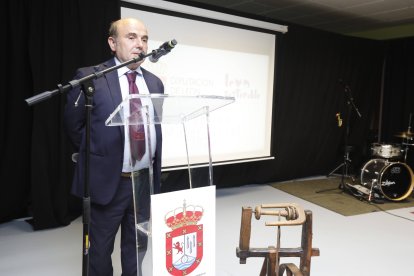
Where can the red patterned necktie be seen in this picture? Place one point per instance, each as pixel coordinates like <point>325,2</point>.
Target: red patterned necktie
<point>136,132</point>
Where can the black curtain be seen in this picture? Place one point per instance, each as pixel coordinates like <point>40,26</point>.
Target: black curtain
<point>45,42</point>
<point>313,68</point>
<point>398,93</point>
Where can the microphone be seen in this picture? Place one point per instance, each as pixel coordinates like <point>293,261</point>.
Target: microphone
<point>164,49</point>
<point>339,119</point>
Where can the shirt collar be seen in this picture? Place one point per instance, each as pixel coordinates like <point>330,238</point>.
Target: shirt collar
<point>123,70</point>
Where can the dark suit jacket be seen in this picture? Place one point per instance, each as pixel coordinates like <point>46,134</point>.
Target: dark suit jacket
<point>107,142</point>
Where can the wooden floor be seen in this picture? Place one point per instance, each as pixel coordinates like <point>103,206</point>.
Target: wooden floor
<point>377,244</point>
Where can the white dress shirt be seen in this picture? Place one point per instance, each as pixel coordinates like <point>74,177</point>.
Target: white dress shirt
<point>143,90</point>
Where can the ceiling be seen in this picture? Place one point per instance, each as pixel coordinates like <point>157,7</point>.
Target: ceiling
<point>374,19</point>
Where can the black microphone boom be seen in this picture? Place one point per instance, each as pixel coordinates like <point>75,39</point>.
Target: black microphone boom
<point>164,49</point>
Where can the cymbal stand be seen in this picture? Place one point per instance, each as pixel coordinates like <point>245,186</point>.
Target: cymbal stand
<point>405,150</point>
<point>406,140</point>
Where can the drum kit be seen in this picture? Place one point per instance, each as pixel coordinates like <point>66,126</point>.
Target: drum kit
<point>387,174</point>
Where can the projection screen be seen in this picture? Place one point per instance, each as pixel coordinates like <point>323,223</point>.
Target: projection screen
<point>212,58</point>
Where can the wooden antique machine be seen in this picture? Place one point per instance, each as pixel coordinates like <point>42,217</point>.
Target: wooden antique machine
<point>292,215</point>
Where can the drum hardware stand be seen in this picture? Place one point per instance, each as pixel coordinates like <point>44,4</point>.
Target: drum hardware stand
<point>362,193</point>
<point>370,190</point>
<point>294,215</point>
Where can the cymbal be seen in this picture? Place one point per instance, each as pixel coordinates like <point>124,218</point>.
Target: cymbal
<point>405,134</point>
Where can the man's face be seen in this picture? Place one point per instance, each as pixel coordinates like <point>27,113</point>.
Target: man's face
<point>132,40</point>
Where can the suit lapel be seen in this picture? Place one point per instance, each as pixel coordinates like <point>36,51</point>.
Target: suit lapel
<point>147,80</point>
<point>112,81</point>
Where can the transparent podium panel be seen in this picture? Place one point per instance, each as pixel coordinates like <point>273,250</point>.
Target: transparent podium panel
<point>186,113</point>
<point>168,109</point>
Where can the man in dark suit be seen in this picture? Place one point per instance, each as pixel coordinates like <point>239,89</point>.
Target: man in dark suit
<point>110,163</point>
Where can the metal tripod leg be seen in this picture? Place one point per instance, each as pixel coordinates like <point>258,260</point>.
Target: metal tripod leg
<point>337,168</point>
<point>346,163</point>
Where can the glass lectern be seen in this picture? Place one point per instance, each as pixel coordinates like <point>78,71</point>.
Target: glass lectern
<point>161,109</point>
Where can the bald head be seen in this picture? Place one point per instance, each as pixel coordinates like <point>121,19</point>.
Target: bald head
<point>116,25</point>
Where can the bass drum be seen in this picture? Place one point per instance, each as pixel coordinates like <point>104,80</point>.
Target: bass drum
<point>394,180</point>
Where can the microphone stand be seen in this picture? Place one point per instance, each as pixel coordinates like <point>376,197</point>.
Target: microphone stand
<point>346,163</point>
<point>88,89</point>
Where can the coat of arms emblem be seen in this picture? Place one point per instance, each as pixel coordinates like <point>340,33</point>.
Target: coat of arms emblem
<point>184,244</point>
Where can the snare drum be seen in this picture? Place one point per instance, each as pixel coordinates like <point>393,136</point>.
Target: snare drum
<point>394,180</point>
<point>386,150</point>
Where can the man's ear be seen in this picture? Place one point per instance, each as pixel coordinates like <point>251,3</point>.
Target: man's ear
<point>112,43</point>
